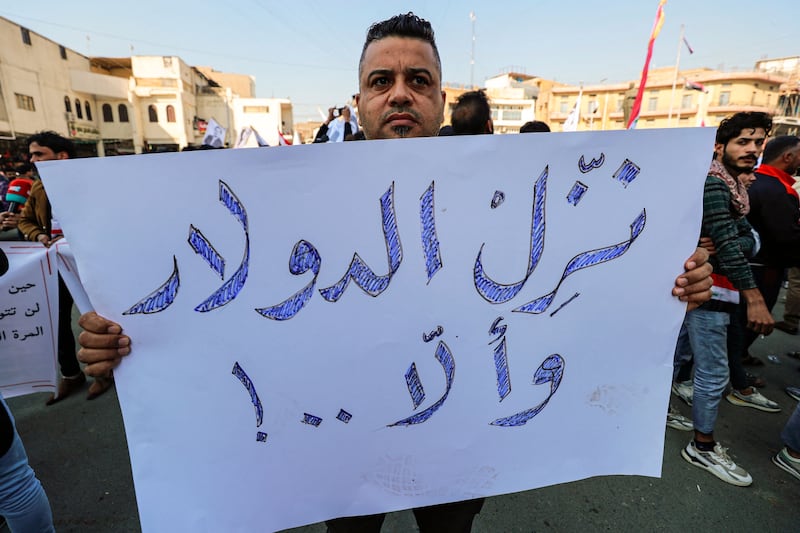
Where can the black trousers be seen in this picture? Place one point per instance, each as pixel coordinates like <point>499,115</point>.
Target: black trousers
<point>67,358</point>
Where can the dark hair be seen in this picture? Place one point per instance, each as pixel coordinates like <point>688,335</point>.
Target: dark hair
<point>408,25</point>
<point>54,141</point>
<point>24,168</point>
<point>732,127</point>
<point>534,126</point>
<point>471,114</point>
<point>778,145</point>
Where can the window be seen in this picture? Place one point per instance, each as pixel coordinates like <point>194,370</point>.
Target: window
<point>88,110</point>
<point>170,113</point>
<point>686,102</point>
<point>256,109</point>
<point>25,102</point>
<point>512,114</point>
<point>152,113</point>
<point>724,98</point>
<point>167,62</point>
<point>564,108</point>
<point>652,103</point>
<point>108,115</point>
<point>495,113</point>
<point>78,109</point>
<point>67,105</point>
<point>620,103</point>
<point>62,51</point>
<point>123,113</point>
<point>26,36</point>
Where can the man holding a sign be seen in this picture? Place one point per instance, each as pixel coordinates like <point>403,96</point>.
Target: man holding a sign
<point>400,96</point>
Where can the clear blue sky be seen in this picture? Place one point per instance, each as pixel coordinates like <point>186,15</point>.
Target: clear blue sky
<point>308,50</point>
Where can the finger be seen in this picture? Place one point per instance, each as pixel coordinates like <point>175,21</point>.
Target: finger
<point>700,274</point>
<point>105,341</point>
<point>94,323</point>
<point>696,299</point>
<point>101,370</point>
<point>92,356</point>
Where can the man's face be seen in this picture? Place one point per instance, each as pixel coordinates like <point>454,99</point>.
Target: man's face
<point>741,153</point>
<point>400,90</point>
<point>43,153</point>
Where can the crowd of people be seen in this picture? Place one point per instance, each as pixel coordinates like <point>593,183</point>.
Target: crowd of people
<point>749,237</point>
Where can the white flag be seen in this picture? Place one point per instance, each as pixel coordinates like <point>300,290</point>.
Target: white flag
<point>571,124</point>
<point>215,134</point>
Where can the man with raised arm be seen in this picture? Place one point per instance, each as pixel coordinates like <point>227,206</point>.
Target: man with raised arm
<point>400,84</point>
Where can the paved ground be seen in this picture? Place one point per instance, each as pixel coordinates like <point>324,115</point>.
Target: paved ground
<point>79,451</point>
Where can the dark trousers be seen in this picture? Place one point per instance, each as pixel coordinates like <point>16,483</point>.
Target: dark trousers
<point>768,281</point>
<point>67,358</point>
<point>454,517</point>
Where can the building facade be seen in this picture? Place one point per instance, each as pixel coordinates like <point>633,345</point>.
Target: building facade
<point>113,106</point>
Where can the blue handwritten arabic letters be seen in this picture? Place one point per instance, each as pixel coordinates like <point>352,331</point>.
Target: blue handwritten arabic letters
<point>597,162</point>
<point>576,193</point>
<point>627,172</point>
<point>501,358</point>
<point>359,271</point>
<point>586,260</point>
<point>304,258</point>
<point>430,241</point>
<point>498,293</point>
<point>445,358</point>
<point>231,288</point>
<point>311,420</point>
<point>550,371</point>
<point>242,376</point>
<point>161,298</point>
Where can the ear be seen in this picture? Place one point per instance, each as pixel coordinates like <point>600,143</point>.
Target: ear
<point>489,126</point>
<point>62,155</point>
<point>719,149</point>
<point>357,98</point>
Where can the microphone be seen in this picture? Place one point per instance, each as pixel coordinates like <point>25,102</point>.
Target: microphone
<point>17,194</point>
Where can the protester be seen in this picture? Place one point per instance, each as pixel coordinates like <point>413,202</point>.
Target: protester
<point>23,502</point>
<point>37,224</point>
<point>400,96</point>
<point>705,329</point>
<point>472,114</point>
<point>791,309</point>
<point>788,458</point>
<point>775,215</point>
<point>535,126</point>
<point>338,128</point>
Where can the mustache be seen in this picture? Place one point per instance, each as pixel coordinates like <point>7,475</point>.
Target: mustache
<point>403,110</point>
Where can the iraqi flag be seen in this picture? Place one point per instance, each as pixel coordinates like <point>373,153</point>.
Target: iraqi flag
<point>283,141</point>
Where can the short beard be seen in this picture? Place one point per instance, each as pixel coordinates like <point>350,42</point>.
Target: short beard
<point>731,164</point>
<point>401,131</point>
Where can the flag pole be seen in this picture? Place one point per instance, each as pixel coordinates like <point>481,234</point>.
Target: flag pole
<point>637,104</point>
<point>675,79</point>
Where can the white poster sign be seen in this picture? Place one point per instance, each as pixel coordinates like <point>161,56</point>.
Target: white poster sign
<point>28,319</point>
<point>443,319</point>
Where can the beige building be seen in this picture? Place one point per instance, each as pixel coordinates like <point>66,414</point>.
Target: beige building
<point>715,96</point>
<point>122,105</point>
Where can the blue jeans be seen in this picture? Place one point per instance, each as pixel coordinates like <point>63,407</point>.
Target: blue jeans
<point>791,431</point>
<point>704,336</point>
<point>23,502</point>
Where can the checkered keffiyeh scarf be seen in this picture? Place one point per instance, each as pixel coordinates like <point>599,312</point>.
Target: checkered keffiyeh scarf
<point>740,202</point>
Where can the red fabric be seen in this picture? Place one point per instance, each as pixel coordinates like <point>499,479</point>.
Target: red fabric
<point>786,180</point>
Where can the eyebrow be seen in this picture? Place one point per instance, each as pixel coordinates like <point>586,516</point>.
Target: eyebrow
<point>389,72</point>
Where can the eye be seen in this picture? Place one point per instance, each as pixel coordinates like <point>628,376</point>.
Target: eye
<point>420,80</point>
<point>379,81</point>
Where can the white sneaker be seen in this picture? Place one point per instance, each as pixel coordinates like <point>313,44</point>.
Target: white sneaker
<point>683,390</point>
<point>675,420</point>
<point>755,400</point>
<point>718,463</point>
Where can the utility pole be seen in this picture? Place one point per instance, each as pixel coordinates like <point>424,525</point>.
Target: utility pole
<point>472,18</point>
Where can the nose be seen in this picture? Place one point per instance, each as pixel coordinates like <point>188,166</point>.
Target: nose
<point>400,95</point>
